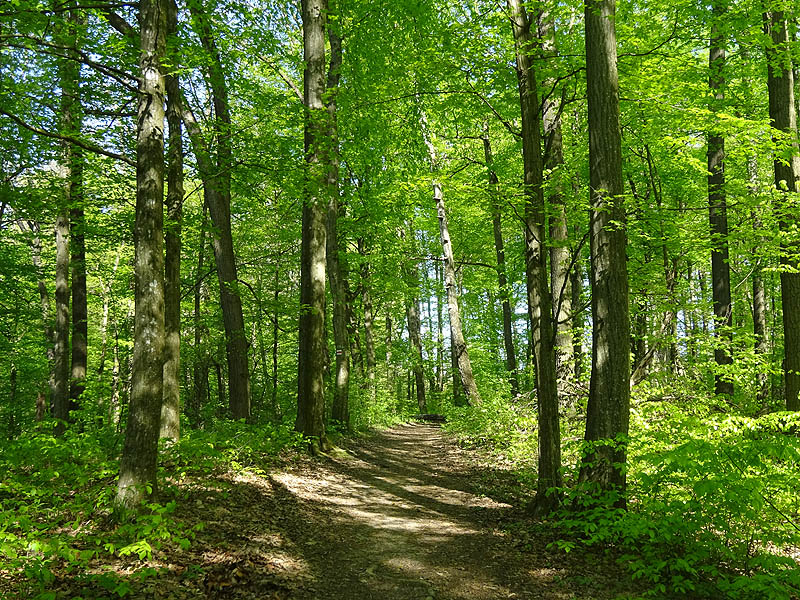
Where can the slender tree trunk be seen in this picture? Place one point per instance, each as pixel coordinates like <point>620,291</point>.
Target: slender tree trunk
<point>718,212</point>
<point>218,179</point>
<point>276,411</point>
<point>540,310</point>
<point>311,363</point>
<point>759,292</point>
<point>784,122</point>
<point>200,366</point>
<point>137,475</point>
<point>607,416</point>
<point>450,284</point>
<point>502,279</point>
<point>576,286</point>
<point>340,410</point>
<point>170,410</point>
<point>560,255</point>
<point>439,328</point>
<point>61,405</point>
<point>391,383</point>
<point>369,334</point>
<point>414,326</point>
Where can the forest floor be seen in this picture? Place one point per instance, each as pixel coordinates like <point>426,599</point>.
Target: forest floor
<point>401,514</point>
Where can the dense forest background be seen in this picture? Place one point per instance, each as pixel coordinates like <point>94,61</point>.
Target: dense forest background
<point>245,226</point>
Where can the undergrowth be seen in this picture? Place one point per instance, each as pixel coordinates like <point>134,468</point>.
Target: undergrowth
<point>56,502</point>
<point>713,498</point>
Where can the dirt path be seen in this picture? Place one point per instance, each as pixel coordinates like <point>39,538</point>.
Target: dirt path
<point>396,517</point>
<point>403,514</point>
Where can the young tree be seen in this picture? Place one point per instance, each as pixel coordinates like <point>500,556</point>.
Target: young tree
<point>607,417</point>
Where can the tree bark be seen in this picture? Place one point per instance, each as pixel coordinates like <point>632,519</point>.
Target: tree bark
<point>760,345</point>
<point>369,334</point>
<point>414,326</point>
<point>311,358</point>
<point>607,418</point>
<point>718,213</point>
<point>500,253</point>
<point>200,366</point>
<point>137,475</point>
<point>540,310</point>
<point>340,410</point>
<point>780,81</point>
<point>218,178</point>
<point>171,407</point>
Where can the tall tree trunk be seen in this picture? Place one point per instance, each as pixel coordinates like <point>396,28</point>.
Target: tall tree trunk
<point>340,410</point>
<point>780,81</point>
<point>311,358</point>
<point>61,405</point>
<point>414,326</point>
<point>560,255</point>
<point>218,178</point>
<point>276,410</point>
<point>137,474</point>
<point>391,382</point>
<point>607,417</point>
<point>576,285</point>
<point>200,366</point>
<point>718,212</point>
<point>540,310</point>
<point>450,284</point>
<point>500,252</point>
<point>439,327</point>
<point>459,342</point>
<point>171,407</point>
<point>366,303</point>
<point>759,292</point>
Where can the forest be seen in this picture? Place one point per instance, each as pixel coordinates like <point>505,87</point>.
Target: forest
<point>399,299</point>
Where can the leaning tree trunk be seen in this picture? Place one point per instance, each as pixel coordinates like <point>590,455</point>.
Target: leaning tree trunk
<point>607,415</point>
<point>311,357</point>
<point>718,213</point>
<point>500,252</point>
<point>170,410</point>
<point>780,81</point>
<point>540,310</point>
<point>137,473</point>
<point>340,410</point>
<point>218,177</point>
<point>450,284</point>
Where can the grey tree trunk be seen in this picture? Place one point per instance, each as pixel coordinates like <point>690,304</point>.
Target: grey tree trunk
<point>459,347</point>
<point>608,409</point>
<point>311,358</point>
<point>391,381</point>
<point>218,178</point>
<point>200,366</point>
<point>500,253</point>
<point>369,319</point>
<point>137,474</point>
<point>760,345</point>
<point>414,326</point>
<point>61,404</point>
<point>340,410</point>
<point>718,212</point>
<point>171,407</point>
<point>457,331</point>
<point>780,81</point>
<point>540,310</point>
<point>560,255</point>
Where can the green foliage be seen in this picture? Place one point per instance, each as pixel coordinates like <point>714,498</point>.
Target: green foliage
<point>713,497</point>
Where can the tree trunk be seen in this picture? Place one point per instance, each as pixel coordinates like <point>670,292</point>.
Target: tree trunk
<point>137,475</point>
<point>170,410</point>
<point>718,213</point>
<point>276,411</point>
<point>200,366</point>
<point>784,122</point>
<point>391,384</point>
<point>414,326</point>
<point>560,255</point>
<point>576,285</point>
<point>218,178</point>
<point>540,310</point>
<point>369,334</point>
<point>311,362</point>
<point>759,293</point>
<point>61,405</point>
<point>340,410</point>
<point>607,417</point>
<point>502,279</point>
